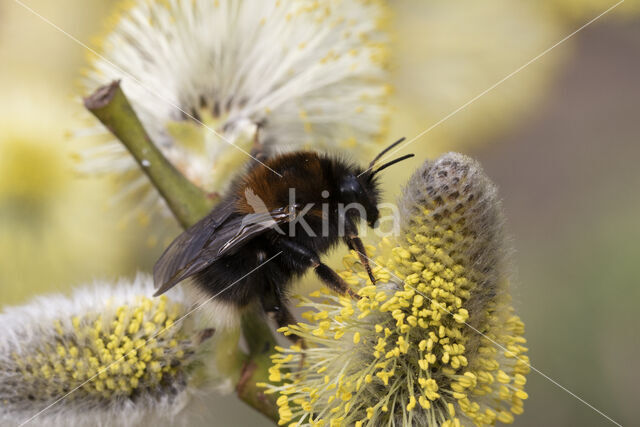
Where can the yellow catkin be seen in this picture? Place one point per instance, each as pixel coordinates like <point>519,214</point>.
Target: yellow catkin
<point>414,345</point>
<point>124,356</point>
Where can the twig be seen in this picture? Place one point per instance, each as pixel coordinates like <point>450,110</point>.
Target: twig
<point>261,343</point>
<point>189,203</point>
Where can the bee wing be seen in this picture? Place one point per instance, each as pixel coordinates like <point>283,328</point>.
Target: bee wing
<point>181,253</point>
<point>208,240</point>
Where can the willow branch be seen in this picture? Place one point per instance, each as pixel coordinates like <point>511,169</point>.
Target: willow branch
<point>188,204</point>
<point>261,343</point>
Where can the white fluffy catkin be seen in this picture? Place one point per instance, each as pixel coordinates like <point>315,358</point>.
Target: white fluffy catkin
<point>114,354</point>
<point>292,73</point>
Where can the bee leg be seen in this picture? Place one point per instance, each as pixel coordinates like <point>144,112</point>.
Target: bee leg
<point>331,280</point>
<point>354,243</point>
<point>284,317</point>
<point>275,304</point>
<point>308,258</point>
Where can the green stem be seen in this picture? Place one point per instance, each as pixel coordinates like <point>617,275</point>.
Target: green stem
<point>261,343</point>
<point>189,204</point>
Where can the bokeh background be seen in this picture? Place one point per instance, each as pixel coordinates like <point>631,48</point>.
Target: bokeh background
<point>561,138</point>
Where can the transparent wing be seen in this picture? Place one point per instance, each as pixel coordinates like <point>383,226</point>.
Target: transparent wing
<point>218,234</point>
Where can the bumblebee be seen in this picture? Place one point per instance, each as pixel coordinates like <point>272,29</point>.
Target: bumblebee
<point>271,228</point>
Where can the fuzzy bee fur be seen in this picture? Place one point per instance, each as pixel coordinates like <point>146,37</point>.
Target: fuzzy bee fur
<point>271,228</point>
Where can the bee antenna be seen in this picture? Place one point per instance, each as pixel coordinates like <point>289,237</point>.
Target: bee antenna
<point>382,153</point>
<point>390,163</point>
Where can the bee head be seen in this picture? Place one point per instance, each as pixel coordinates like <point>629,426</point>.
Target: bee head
<point>355,191</point>
<point>363,187</point>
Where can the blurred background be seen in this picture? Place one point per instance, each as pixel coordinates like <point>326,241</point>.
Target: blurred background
<point>561,138</point>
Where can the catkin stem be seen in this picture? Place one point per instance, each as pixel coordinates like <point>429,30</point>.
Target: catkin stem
<point>188,204</point>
